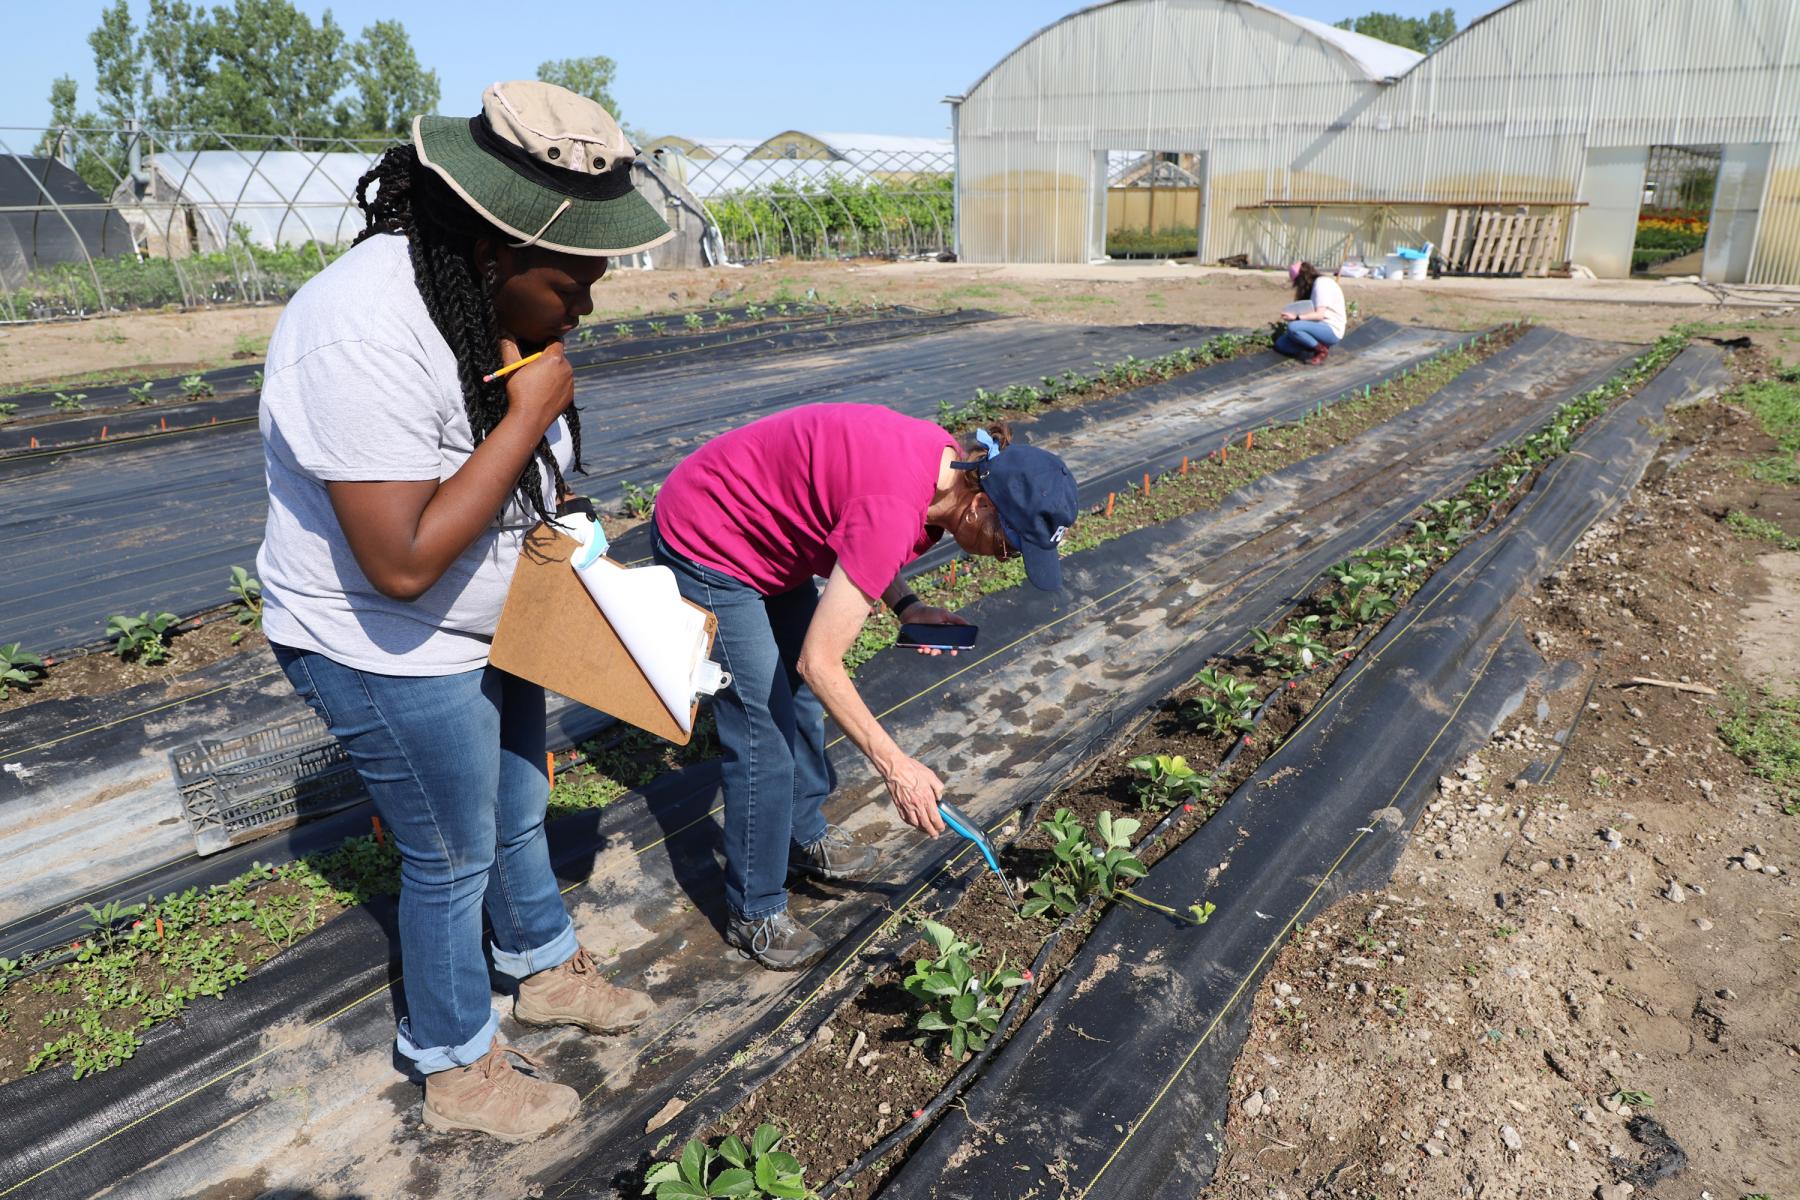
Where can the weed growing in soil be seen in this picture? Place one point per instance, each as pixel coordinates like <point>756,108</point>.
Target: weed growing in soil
<point>962,1006</point>
<point>144,637</point>
<point>759,1171</point>
<point>1082,868</point>
<point>1766,735</point>
<point>1168,781</point>
<point>1128,372</point>
<point>1776,404</point>
<point>18,667</point>
<point>1761,529</point>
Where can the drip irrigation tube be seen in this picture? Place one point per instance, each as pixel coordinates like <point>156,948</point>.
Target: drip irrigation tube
<point>232,1084</point>
<point>1327,813</point>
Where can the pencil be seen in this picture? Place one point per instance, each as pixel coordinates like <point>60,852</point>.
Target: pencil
<point>509,368</point>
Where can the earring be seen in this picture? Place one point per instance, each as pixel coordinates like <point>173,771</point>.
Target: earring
<point>490,275</point>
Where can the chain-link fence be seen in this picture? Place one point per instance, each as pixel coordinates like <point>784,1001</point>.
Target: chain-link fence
<point>99,220</point>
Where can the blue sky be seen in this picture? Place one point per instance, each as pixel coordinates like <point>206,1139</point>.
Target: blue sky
<point>709,68</point>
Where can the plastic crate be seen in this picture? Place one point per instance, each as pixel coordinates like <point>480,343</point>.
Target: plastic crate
<point>241,786</point>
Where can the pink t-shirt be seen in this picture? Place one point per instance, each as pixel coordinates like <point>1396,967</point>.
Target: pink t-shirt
<point>789,496</point>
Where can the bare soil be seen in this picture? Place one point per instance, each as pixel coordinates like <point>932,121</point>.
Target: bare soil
<point>197,642</point>
<point>140,345</point>
<point>1472,1030</point>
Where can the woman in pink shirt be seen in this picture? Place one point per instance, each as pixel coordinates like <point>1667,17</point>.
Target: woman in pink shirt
<point>849,493</point>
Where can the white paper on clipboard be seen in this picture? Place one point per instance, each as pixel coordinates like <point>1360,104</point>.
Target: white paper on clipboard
<point>666,638</point>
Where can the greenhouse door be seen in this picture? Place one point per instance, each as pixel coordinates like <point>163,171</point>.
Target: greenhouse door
<point>1150,203</point>
<point>1737,204</point>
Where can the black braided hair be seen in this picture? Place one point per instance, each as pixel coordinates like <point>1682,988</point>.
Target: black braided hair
<point>440,232</point>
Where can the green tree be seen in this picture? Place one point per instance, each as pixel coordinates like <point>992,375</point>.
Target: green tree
<point>250,66</point>
<point>274,71</point>
<point>591,77</point>
<point>392,87</point>
<point>99,158</point>
<point>1423,34</point>
<point>119,66</point>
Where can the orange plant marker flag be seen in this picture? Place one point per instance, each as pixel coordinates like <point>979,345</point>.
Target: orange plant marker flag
<point>550,766</point>
<point>1184,459</point>
<point>379,839</point>
<point>1110,497</point>
<point>1250,439</point>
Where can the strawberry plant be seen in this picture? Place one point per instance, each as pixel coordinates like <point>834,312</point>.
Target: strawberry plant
<point>1168,781</point>
<point>754,312</point>
<point>195,387</point>
<point>143,393</point>
<point>249,609</point>
<point>7,411</point>
<point>17,666</point>
<point>962,1006</point>
<point>758,1171</point>
<point>693,321</point>
<point>640,501</point>
<point>721,318</point>
<point>1294,652</point>
<point>1225,705</point>
<point>658,328</point>
<point>69,402</point>
<point>143,637</point>
<point>1358,597</point>
<point>1083,869</point>
<point>623,329</point>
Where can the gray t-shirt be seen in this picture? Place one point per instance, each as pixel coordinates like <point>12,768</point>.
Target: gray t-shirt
<point>360,385</point>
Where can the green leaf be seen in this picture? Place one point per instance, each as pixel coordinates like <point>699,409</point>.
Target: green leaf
<point>963,1007</point>
<point>959,1041</point>
<point>786,1165</point>
<point>694,1157</point>
<point>765,1173</point>
<point>787,1191</point>
<point>734,1182</point>
<point>679,1190</point>
<point>732,1151</point>
<point>662,1172</point>
<point>938,983</point>
<point>932,1022</point>
<point>764,1140</point>
<point>941,937</point>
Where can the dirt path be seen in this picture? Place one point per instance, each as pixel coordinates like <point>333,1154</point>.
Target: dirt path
<point>1583,988</point>
<point>146,345</point>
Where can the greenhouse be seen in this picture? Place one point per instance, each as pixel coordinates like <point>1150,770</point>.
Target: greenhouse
<point>1306,141</point>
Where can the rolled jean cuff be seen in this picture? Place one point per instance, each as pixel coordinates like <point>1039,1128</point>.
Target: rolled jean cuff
<point>765,914</point>
<point>431,1059</point>
<point>553,953</point>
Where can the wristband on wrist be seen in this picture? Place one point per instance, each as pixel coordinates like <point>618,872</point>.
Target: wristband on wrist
<point>899,606</point>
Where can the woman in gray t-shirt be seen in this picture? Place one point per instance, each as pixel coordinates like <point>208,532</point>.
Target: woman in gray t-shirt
<point>402,478</point>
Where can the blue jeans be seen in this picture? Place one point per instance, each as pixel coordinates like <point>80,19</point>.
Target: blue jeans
<point>455,764</point>
<point>771,730</point>
<point>1301,338</point>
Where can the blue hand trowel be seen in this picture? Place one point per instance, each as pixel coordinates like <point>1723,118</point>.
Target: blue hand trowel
<point>959,822</point>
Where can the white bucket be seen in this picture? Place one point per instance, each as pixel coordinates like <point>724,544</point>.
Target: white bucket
<point>1420,268</point>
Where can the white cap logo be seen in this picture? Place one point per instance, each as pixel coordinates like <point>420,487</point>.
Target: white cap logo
<point>1057,537</point>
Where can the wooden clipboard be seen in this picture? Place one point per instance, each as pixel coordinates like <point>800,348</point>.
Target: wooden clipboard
<point>552,633</point>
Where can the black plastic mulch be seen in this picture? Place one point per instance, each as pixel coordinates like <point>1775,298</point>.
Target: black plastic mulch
<point>158,525</point>
<point>1116,1085</point>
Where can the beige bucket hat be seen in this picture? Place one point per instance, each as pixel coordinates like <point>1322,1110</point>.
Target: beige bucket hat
<point>548,166</point>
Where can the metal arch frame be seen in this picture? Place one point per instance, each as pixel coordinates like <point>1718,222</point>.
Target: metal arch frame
<point>809,211</point>
<point>80,243</point>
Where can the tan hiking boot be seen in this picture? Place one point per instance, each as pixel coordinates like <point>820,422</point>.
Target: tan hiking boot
<point>574,994</point>
<point>492,1096</point>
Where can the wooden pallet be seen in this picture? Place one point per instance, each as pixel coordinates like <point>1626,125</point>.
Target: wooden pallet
<point>1486,241</point>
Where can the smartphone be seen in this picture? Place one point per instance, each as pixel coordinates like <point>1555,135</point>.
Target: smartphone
<point>938,637</point>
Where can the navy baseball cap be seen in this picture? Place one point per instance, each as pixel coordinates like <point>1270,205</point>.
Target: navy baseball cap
<point>1034,494</point>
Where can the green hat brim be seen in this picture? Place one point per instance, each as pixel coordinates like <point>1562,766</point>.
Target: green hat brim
<point>517,205</point>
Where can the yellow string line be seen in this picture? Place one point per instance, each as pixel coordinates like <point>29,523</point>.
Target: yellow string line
<point>1372,659</point>
<point>1178,562</point>
<point>1275,943</point>
<point>140,714</point>
<point>196,1090</point>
